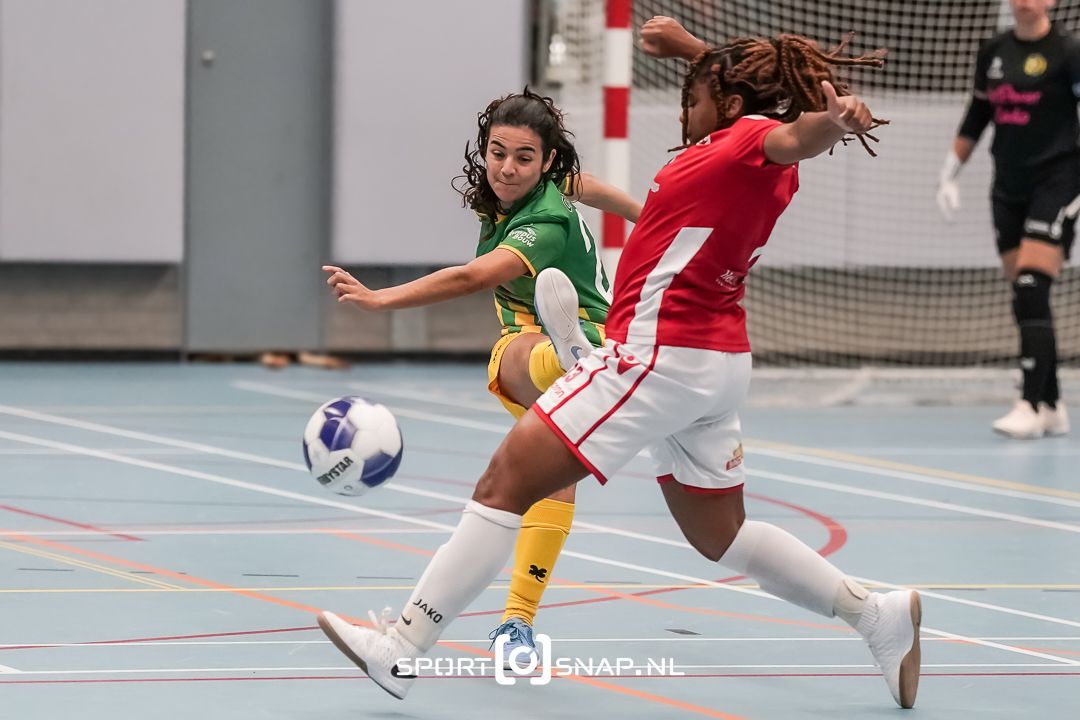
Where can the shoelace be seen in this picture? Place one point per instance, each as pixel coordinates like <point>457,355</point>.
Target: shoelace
<point>518,632</point>
<point>380,622</point>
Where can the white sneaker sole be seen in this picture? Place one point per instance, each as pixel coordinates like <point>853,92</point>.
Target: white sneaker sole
<point>328,628</point>
<point>911,665</point>
<point>1034,435</point>
<point>1056,431</point>
<point>554,297</point>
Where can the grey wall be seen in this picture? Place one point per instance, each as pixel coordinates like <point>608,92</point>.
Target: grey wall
<point>411,76</point>
<point>91,130</point>
<point>61,306</point>
<point>97,100</point>
<point>258,173</point>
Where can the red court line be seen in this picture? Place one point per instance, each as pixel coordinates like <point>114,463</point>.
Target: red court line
<point>600,684</point>
<point>163,638</point>
<point>837,539</point>
<point>636,598</point>
<point>354,678</point>
<point>71,523</point>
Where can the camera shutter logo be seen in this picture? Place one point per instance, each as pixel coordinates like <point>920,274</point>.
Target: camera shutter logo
<point>520,662</point>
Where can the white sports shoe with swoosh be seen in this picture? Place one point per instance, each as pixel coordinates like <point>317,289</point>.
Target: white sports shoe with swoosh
<point>376,650</point>
<point>557,305</point>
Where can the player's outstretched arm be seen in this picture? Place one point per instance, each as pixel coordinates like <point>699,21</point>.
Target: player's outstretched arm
<point>665,37</point>
<point>595,193</point>
<point>485,272</point>
<point>815,132</point>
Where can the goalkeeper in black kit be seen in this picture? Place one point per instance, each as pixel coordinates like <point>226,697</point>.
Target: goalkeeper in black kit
<point>1027,81</point>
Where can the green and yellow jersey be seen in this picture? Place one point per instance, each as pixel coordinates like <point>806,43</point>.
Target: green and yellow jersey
<point>545,230</point>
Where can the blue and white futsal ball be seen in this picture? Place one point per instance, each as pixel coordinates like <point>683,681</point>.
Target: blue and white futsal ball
<point>352,446</point>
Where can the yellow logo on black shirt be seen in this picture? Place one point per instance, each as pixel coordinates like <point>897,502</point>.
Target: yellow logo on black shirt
<point>1034,65</point>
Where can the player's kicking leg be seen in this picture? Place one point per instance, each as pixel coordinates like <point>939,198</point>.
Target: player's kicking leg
<point>545,527</point>
<point>530,464</point>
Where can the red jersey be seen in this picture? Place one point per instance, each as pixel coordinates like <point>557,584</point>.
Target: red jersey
<point>709,213</point>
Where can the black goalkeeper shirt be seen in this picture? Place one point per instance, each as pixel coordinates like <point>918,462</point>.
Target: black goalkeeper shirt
<point>1029,90</point>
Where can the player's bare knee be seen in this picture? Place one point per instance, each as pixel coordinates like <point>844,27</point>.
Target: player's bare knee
<point>496,487</point>
<point>713,542</point>
<point>715,546</point>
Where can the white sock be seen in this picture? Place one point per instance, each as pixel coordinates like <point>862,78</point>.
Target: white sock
<point>784,566</point>
<point>850,602</point>
<point>459,572</point>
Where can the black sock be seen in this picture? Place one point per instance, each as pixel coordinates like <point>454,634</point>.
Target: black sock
<point>1038,346</point>
<point>1052,393</point>
<point>1036,359</point>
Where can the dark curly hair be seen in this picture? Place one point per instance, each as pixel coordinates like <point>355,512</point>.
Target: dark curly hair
<point>523,110</point>
<point>779,77</point>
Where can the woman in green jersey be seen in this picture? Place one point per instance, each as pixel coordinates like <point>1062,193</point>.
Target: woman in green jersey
<point>520,178</point>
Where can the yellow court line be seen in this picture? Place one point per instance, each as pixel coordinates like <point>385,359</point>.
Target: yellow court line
<point>338,588</point>
<point>917,469</point>
<point>90,566</point>
<point>361,588</point>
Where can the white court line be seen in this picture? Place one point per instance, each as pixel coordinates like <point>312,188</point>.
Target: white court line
<point>909,500</point>
<point>157,671</point>
<point>492,407</point>
<point>965,509</point>
<point>975,603</point>
<point>265,389</point>
<point>927,478</point>
<point>130,451</point>
<point>857,666</point>
<point>352,508</point>
<point>221,480</point>
<point>593,558</point>
<point>352,669</point>
<point>170,533</point>
<point>487,641</point>
<point>1007,451</point>
<point>679,543</point>
<point>8,670</point>
<point>150,465</point>
<point>913,477</point>
<point>308,498</point>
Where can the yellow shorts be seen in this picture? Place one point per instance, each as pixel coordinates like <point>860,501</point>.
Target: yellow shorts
<point>493,374</point>
<point>544,368</point>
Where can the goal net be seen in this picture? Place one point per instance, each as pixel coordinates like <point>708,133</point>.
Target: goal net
<point>861,270</point>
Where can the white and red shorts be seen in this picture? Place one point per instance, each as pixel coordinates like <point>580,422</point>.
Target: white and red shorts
<point>679,403</point>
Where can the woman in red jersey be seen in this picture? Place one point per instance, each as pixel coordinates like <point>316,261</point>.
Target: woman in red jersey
<point>675,369</point>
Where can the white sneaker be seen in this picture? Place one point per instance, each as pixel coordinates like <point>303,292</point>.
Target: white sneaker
<point>1021,422</point>
<point>1055,420</point>
<point>890,625</point>
<point>557,304</point>
<point>376,651</point>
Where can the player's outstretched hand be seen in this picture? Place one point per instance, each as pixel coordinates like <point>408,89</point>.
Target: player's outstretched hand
<point>348,289</point>
<point>948,199</point>
<point>665,37</point>
<point>848,111</point>
<point>948,193</point>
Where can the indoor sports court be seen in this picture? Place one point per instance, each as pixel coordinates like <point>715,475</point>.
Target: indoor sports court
<point>173,517</point>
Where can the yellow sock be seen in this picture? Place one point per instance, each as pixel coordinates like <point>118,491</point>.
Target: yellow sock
<point>544,368</point>
<point>540,540</point>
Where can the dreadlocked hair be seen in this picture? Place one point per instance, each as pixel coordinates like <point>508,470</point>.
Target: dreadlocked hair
<point>778,78</point>
<point>522,110</point>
